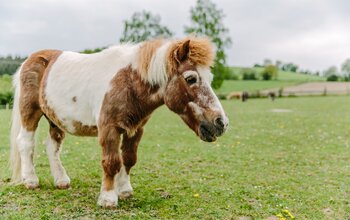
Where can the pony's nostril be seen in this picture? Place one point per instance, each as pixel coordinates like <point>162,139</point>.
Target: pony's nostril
<point>219,122</point>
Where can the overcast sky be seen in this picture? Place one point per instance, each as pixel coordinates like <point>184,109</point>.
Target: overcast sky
<point>314,34</point>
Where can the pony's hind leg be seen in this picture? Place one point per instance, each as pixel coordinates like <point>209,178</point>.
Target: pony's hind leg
<point>26,142</point>
<point>53,150</point>
<point>129,152</point>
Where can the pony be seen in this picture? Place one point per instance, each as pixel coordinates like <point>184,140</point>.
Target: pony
<point>110,95</point>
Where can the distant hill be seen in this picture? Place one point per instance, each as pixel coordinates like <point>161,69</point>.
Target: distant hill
<point>285,76</point>
<point>284,79</point>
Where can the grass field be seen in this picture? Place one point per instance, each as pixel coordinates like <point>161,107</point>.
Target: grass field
<point>286,76</point>
<point>284,79</point>
<point>5,83</point>
<point>251,85</point>
<point>268,162</point>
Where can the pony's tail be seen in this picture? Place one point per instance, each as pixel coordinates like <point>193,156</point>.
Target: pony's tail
<point>15,159</point>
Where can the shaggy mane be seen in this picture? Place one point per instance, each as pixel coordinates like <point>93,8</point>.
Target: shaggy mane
<point>201,53</point>
<point>157,59</point>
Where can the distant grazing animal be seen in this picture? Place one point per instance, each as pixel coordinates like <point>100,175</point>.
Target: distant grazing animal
<point>234,95</point>
<point>238,95</point>
<point>272,96</point>
<point>111,95</point>
<point>245,96</point>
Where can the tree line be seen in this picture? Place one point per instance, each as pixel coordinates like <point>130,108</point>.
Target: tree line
<point>9,64</point>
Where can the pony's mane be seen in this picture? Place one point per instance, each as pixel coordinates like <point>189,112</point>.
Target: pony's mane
<point>201,53</point>
<point>157,59</point>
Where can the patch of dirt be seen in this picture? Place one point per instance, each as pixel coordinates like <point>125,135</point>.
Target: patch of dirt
<point>244,218</point>
<point>328,212</point>
<point>280,110</point>
<point>315,88</point>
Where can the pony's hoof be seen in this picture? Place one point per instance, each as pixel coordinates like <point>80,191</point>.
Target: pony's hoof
<point>108,199</point>
<point>63,185</point>
<point>31,184</point>
<point>108,204</point>
<point>125,195</point>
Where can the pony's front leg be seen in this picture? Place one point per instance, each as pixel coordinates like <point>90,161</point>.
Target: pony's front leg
<point>109,139</point>
<point>129,148</point>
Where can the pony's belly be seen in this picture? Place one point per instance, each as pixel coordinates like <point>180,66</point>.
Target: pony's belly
<point>67,124</point>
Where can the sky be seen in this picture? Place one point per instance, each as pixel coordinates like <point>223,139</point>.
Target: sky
<point>314,34</point>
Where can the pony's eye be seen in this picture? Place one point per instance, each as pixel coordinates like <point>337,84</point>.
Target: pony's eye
<point>191,80</point>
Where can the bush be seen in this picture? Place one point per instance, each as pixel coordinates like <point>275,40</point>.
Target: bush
<point>269,72</point>
<point>248,74</point>
<point>230,74</point>
<point>332,77</point>
<point>6,98</point>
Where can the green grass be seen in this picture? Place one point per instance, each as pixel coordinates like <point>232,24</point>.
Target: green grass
<point>5,83</point>
<point>286,76</point>
<point>266,162</point>
<point>251,85</point>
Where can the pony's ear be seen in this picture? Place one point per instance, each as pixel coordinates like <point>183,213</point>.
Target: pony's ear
<point>183,51</point>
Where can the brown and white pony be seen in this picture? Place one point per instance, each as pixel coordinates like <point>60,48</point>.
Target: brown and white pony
<point>111,95</point>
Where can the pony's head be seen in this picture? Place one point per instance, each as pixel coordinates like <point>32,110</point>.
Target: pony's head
<point>188,92</point>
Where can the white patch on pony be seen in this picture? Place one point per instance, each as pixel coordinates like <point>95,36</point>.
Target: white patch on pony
<point>198,111</point>
<point>205,74</point>
<point>86,77</point>
<point>157,74</point>
<point>53,151</point>
<point>123,187</point>
<point>214,104</point>
<point>107,198</point>
<point>26,144</point>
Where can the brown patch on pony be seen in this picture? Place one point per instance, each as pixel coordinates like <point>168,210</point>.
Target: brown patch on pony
<point>47,110</point>
<point>198,51</point>
<point>31,77</point>
<point>109,139</point>
<point>125,110</point>
<point>146,52</point>
<point>129,149</point>
<point>56,134</point>
<point>84,130</point>
<point>129,102</point>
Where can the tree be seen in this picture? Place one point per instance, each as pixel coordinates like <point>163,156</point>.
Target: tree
<point>144,26</point>
<point>345,68</point>
<point>290,67</point>
<point>278,64</point>
<point>267,62</point>
<point>9,64</point>
<point>206,20</point>
<point>331,71</point>
<point>90,51</point>
<point>248,74</point>
<point>269,72</point>
<point>332,77</point>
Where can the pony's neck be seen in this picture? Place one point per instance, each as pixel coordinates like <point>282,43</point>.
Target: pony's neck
<point>152,60</point>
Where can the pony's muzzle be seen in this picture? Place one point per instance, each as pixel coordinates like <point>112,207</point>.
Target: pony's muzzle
<point>210,131</point>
